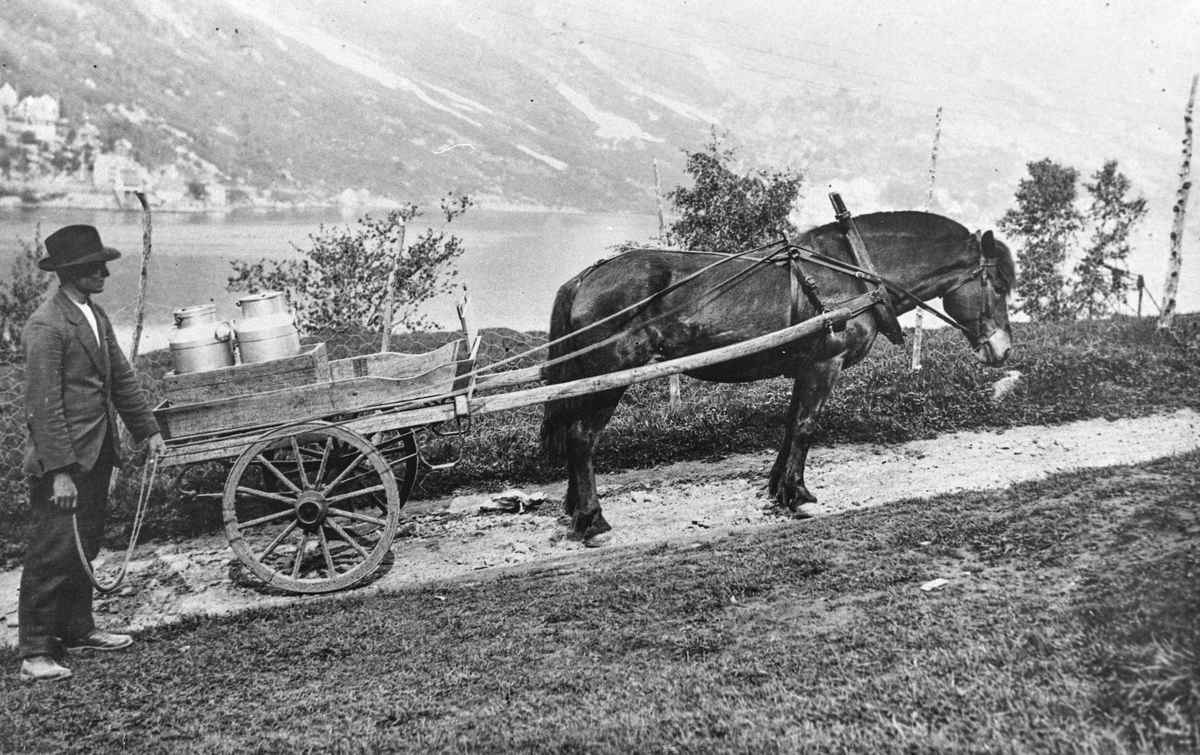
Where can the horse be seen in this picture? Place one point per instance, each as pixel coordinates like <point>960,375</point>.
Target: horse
<point>690,304</point>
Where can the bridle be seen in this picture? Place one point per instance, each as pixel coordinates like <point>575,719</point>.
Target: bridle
<point>985,271</point>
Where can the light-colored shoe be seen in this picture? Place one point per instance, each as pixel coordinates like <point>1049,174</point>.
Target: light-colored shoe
<point>99,640</point>
<point>43,668</point>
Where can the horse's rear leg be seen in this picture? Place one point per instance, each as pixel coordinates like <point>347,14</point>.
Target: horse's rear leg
<point>582,503</point>
<point>809,394</point>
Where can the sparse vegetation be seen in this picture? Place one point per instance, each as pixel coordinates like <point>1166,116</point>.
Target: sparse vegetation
<point>726,211</point>
<point>1046,225</point>
<point>342,280</point>
<point>19,297</point>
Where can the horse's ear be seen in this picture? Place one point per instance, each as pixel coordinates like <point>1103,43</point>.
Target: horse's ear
<point>988,245</point>
<point>974,244</point>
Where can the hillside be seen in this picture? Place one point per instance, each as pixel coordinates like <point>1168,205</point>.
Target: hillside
<point>567,105</point>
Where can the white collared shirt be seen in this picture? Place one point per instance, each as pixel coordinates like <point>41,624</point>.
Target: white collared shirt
<point>91,317</point>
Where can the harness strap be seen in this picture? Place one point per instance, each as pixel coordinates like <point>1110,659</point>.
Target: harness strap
<point>885,313</point>
<point>804,283</point>
<point>776,247</point>
<point>856,272</point>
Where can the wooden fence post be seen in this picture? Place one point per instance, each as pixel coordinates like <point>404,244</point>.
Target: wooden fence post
<point>140,316</point>
<point>673,387</point>
<point>389,294</point>
<point>1175,261</point>
<point>918,325</point>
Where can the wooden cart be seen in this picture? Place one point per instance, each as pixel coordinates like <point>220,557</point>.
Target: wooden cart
<point>320,455</point>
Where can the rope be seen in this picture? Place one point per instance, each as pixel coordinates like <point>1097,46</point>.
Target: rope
<point>139,516</point>
<point>857,272</point>
<point>637,305</point>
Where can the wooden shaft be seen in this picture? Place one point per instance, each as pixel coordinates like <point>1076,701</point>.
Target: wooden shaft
<point>584,386</point>
<point>140,315</point>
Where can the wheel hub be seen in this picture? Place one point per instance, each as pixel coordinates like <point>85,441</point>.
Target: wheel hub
<point>311,508</point>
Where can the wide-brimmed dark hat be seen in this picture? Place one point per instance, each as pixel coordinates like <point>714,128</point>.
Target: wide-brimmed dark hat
<point>75,245</point>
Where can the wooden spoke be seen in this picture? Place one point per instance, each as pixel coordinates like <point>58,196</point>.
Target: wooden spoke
<point>278,539</point>
<point>275,471</point>
<point>299,463</point>
<point>325,550</point>
<point>344,535</point>
<point>342,475</point>
<point>266,495</point>
<point>324,460</point>
<point>355,494</point>
<point>268,518</point>
<point>356,516</point>
<point>299,554</point>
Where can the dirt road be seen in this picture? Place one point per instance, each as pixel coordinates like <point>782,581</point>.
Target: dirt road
<point>452,538</point>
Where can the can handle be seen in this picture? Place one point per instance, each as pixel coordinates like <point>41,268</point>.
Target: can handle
<point>223,331</point>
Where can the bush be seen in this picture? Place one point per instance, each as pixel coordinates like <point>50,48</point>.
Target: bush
<point>342,280</point>
<point>18,300</point>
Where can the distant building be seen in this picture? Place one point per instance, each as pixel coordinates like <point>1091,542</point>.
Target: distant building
<point>8,98</point>
<point>120,173</point>
<point>88,135</point>
<point>39,115</point>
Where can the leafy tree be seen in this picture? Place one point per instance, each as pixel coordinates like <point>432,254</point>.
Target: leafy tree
<point>342,279</point>
<point>1046,221</point>
<point>1099,276</point>
<point>725,211</point>
<point>1049,222</point>
<point>18,300</point>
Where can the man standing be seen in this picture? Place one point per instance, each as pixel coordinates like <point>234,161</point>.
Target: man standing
<point>77,382</point>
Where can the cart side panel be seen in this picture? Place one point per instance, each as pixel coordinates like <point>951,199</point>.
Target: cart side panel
<point>399,382</point>
<point>312,366</point>
<point>390,364</point>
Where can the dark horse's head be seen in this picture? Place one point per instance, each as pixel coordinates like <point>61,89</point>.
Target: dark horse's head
<point>979,303</point>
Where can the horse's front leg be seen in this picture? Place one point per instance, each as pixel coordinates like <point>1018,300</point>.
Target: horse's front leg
<point>809,394</point>
<point>582,502</point>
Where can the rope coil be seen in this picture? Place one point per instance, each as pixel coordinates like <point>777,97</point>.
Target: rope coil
<point>139,517</point>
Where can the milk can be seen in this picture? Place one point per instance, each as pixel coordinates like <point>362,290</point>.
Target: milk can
<point>266,329</point>
<point>198,342</point>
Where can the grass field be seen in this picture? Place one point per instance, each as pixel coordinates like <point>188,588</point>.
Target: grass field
<point>1071,623</point>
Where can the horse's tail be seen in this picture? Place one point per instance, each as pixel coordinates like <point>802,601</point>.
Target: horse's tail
<point>559,413</point>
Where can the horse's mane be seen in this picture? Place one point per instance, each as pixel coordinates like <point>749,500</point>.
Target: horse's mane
<point>1006,267</point>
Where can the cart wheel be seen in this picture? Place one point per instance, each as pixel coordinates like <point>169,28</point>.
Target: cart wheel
<point>399,449</point>
<point>311,508</point>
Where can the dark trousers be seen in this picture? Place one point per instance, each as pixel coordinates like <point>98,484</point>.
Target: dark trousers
<point>56,595</point>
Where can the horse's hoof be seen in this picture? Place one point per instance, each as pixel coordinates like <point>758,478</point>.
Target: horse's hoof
<point>588,526</point>
<point>800,495</point>
<point>598,541</point>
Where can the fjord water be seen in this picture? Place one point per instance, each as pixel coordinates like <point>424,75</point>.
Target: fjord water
<point>512,265</point>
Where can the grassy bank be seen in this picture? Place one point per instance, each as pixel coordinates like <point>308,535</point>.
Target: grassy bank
<point>1071,624</point>
<point>1083,370</point>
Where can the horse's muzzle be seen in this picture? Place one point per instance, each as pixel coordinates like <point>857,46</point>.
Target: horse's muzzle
<point>994,351</point>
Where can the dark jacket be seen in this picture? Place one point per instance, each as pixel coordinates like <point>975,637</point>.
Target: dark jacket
<point>75,389</point>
